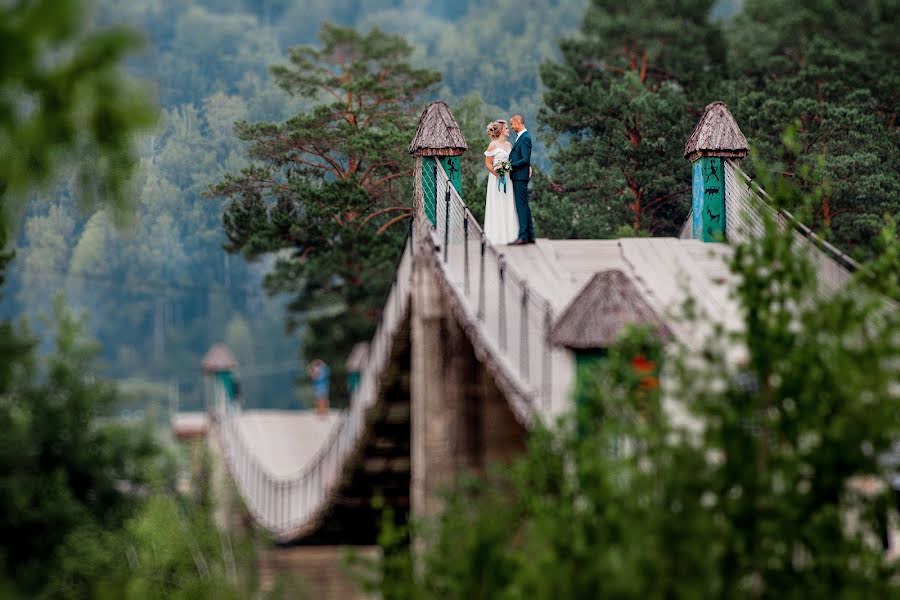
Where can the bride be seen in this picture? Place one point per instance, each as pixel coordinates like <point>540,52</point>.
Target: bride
<point>501,223</point>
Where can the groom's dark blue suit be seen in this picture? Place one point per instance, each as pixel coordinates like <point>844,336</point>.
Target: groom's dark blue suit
<point>520,159</point>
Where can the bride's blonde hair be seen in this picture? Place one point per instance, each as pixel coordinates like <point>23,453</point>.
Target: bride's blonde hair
<point>496,128</point>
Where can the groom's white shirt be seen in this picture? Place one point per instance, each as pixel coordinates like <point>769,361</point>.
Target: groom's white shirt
<point>519,135</point>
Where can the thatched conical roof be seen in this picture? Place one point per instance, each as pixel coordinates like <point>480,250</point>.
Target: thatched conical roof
<point>717,134</point>
<point>438,133</point>
<point>219,358</point>
<point>601,310</point>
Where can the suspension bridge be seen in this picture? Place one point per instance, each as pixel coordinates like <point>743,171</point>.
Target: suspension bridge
<point>478,342</point>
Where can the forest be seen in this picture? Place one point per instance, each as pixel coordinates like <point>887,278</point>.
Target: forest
<point>177,218</point>
<point>160,291</point>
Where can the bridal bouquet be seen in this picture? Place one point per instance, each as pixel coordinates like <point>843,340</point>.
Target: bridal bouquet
<point>502,167</point>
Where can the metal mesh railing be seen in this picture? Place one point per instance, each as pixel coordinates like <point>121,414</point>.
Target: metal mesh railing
<point>687,229</point>
<point>285,504</point>
<point>514,318</point>
<point>745,203</point>
<point>428,177</point>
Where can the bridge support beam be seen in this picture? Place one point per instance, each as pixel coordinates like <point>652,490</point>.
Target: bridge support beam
<point>460,420</point>
<point>437,392</point>
<point>502,436</point>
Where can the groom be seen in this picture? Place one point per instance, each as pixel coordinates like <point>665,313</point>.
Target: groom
<point>520,158</point>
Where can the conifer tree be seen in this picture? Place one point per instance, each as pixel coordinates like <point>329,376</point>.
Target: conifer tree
<point>618,108</point>
<point>829,68</point>
<point>329,187</point>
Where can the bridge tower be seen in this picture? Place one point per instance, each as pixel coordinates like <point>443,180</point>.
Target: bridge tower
<point>715,138</point>
<point>460,420</point>
<point>218,374</point>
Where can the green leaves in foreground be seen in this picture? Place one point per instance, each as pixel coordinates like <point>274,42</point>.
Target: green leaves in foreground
<point>64,102</point>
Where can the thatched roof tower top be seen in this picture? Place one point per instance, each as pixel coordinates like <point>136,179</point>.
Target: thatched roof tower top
<point>717,134</point>
<point>601,310</point>
<point>218,359</point>
<point>438,133</point>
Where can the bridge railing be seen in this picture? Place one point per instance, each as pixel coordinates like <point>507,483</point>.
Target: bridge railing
<point>285,504</point>
<point>514,318</point>
<point>746,202</point>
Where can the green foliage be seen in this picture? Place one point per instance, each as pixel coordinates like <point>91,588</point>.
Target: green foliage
<point>64,102</point>
<point>827,67</point>
<point>65,462</point>
<point>743,476</point>
<point>88,504</point>
<point>167,550</point>
<point>618,109</point>
<point>330,181</point>
<point>162,292</point>
<point>72,472</point>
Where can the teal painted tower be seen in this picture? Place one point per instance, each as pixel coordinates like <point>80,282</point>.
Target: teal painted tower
<point>219,380</point>
<point>438,140</point>
<point>715,139</point>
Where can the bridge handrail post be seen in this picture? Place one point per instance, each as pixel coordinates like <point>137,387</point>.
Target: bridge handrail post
<point>523,333</point>
<point>270,495</point>
<point>253,485</point>
<point>548,356</point>
<point>466,251</point>
<point>481,285</point>
<point>286,503</point>
<point>446,223</point>
<point>264,498</point>
<point>262,493</point>
<point>309,495</point>
<point>501,300</point>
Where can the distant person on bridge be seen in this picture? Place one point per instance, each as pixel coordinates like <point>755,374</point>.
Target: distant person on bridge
<point>319,373</point>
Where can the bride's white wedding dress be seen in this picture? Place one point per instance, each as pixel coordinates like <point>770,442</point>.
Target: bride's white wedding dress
<point>501,223</point>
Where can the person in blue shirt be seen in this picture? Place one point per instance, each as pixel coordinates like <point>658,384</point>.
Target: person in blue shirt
<point>319,373</point>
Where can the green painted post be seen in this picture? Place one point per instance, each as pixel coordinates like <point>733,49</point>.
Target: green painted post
<point>453,167</point>
<point>709,199</point>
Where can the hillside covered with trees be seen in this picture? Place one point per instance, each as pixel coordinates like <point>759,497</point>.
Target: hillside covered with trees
<point>160,291</point>
<point>611,91</point>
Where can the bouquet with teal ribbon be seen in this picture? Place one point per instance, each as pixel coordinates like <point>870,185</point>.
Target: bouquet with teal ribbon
<point>502,167</point>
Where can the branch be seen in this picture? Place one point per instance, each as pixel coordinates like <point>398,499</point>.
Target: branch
<point>662,199</point>
<point>384,227</point>
<point>559,188</point>
<point>387,179</point>
<point>385,211</point>
<point>317,166</point>
<point>373,167</point>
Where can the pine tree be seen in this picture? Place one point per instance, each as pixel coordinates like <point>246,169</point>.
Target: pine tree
<point>829,69</point>
<point>329,187</point>
<point>618,109</point>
